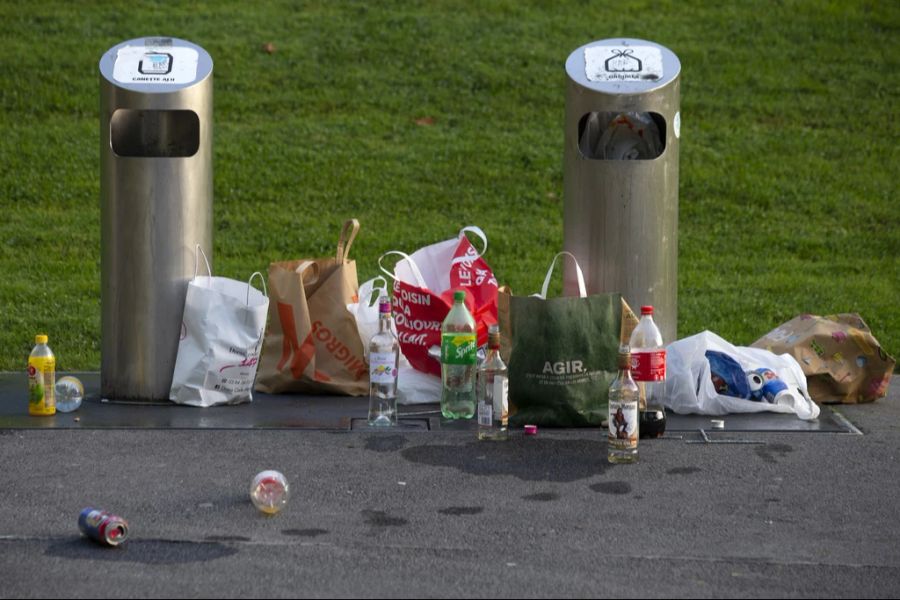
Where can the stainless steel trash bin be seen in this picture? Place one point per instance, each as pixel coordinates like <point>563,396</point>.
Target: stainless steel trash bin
<point>623,125</point>
<point>156,97</point>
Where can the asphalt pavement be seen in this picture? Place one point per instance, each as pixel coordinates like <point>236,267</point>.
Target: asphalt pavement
<point>419,513</point>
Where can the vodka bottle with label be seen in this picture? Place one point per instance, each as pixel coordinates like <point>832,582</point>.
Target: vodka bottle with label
<point>648,361</point>
<point>384,357</point>
<point>622,439</point>
<point>493,391</point>
<point>458,356</point>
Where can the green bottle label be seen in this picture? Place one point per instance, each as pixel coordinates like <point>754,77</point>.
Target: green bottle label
<point>458,348</point>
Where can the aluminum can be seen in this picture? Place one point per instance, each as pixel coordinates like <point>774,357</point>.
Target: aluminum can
<point>103,527</point>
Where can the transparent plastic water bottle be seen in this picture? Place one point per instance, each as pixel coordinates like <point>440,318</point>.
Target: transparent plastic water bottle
<point>648,361</point>
<point>384,360</point>
<point>41,379</point>
<point>69,394</point>
<point>459,351</point>
<point>269,492</point>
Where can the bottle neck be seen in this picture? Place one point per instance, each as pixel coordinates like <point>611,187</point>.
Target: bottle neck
<point>624,366</point>
<point>384,322</point>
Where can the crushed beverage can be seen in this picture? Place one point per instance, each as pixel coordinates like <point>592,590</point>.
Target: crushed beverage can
<point>103,527</point>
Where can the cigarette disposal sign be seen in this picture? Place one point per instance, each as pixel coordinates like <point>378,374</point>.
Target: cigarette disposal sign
<point>156,65</point>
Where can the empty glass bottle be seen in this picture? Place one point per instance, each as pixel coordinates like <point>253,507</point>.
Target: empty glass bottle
<point>493,391</point>
<point>384,359</point>
<point>623,414</point>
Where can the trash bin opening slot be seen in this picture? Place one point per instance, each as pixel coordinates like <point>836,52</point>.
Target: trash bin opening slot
<point>611,135</point>
<point>154,133</point>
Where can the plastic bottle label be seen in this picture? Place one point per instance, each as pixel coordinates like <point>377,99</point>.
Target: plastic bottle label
<point>458,348</point>
<point>649,366</point>
<point>41,385</point>
<point>623,425</point>
<point>382,367</point>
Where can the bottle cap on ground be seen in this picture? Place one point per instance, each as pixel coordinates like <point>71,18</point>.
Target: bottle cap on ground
<point>647,309</point>
<point>41,339</point>
<point>459,296</point>
<point>531,430</point>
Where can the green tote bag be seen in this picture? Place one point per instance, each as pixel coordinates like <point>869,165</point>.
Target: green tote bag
<point>562,355</point>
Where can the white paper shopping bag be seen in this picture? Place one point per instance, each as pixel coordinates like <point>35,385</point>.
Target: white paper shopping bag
<point>221,336</point>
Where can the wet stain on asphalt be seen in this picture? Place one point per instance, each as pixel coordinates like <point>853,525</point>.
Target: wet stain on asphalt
<point>304,532</point>
<point>683,471</point>
<point>545,459</point>
<point>616,488</point>
<point>457,511</point>
<point>768,452</point>
<point>378,518</point>
<point>542,497</point>
<point>226,538</point>
<point>385,443</point>
<point>147,552</point>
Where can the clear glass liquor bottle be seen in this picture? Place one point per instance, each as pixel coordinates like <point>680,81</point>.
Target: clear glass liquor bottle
<point>384,358</point>
<point>493,391</point>
<point>623,432</point>
<point>458,357</point>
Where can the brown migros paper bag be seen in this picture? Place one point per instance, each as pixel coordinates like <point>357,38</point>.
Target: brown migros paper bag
<point>312,345</point>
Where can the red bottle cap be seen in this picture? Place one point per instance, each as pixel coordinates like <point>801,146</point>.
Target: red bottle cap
<point>647,309</point>
<point>531,430</point>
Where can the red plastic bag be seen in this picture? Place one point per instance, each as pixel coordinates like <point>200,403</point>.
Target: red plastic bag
<point>423,294</point>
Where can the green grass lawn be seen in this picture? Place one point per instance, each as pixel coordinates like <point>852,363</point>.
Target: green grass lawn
<point>789,159</point>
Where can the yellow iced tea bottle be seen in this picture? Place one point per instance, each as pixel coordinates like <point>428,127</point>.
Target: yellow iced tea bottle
<point>41,379</point>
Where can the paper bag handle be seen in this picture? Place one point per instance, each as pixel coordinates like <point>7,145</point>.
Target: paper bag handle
<point>348,234</point>
<point>480,234</point>
<point>197,252</point>
<point>249,285</point>
<point>582,290</point>
<point>420,281</point>
<point>302,267</point>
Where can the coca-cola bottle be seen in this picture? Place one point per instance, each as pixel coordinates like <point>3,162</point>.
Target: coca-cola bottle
<point>648,368</point>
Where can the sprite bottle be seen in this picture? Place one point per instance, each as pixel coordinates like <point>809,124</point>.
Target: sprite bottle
<point>459,346</point>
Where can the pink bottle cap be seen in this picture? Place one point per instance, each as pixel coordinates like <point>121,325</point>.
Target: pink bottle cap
<point>531,430</point>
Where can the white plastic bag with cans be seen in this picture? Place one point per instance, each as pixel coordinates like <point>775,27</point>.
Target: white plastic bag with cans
<point>692,388</point>
<point>413,386</point>
<point>221,336</point>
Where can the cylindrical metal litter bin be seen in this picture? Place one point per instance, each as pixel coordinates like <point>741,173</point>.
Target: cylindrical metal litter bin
<point>156,102</point>
<point>623,124</point>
